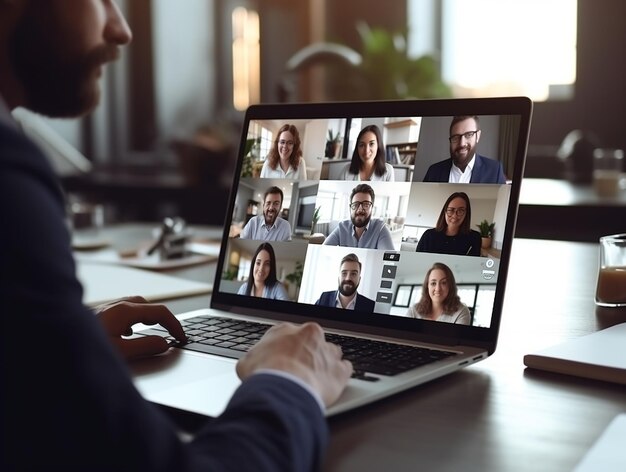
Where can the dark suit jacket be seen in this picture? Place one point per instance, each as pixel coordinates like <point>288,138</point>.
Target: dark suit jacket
<point>485,171</point>
<point>362,302</point>
<point>68,400</point>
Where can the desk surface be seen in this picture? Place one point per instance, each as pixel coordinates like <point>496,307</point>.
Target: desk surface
<point>559,209</point>
<point>495,415</point>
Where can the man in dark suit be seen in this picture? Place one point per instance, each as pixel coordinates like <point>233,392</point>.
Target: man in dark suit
<point>68,400</point>
<point>465,164</point>
<point>346,296</point>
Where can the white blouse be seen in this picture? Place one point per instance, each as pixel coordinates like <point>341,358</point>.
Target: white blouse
<point>299,174</point>
<point>388,176</point>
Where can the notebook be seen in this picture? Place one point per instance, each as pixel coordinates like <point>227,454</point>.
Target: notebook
<point>600,355</point>
<point>358,294</point>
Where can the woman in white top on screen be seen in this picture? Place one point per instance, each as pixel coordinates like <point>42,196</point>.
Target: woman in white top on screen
<point>285,160</point>
<point>440,300</point>
<point>368,158</point>
<point>262,281</point>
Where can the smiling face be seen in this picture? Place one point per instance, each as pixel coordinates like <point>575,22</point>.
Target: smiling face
<point>367,147</point>
<point>455,215</point>
<point>286,142</point>
<point>57,53</point>
<point>271,207</point>
<point>262,265</point>
<point>349,278</point>
<point>361,209</point>
<point>462,148</point>
<point>438,288</point>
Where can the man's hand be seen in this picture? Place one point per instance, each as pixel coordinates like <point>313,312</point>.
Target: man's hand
<point>119,316</point>
<point>301,351</point>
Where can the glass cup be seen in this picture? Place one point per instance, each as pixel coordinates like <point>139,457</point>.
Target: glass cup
<point>611,289</point>
<point>85,221</point>
<point>607,171</point>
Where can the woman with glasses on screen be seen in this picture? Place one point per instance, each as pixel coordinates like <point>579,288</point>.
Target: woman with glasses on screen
<point>452,235</point>
<point>440,300</point>
<point>285,160</point>
<point>368,159</point>
<point>262,281</point>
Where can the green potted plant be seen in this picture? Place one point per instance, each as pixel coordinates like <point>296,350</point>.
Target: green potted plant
<point>486,233</point>
<point>387,70</point>
<point>332,143</point>
<point>316,217</point>
<point>246,168</point>
<point>295,277</point>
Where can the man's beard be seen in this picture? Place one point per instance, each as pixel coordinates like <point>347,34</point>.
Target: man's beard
<point>460,159</point>
<point>55,85</point>
<point>270,217</point>
<point>347,288</point>
<point>360,220</point>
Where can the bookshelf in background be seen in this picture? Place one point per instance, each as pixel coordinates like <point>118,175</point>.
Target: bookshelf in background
<point>401,153</point>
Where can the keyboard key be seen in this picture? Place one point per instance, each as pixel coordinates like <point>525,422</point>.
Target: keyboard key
<point>232,338</point>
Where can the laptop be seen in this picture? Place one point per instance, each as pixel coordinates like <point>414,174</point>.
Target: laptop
<point>415,134</point>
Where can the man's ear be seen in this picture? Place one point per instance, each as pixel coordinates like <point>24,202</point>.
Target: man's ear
<point>478,136</point>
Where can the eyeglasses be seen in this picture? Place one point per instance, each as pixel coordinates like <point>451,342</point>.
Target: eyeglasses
<point>451,211</point>
<point>455,138</point>
<point>366,205</point>
<point>282,142</point>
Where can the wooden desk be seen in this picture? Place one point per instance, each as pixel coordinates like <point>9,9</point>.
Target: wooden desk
<point>559,209</point>
<point>496,415</point>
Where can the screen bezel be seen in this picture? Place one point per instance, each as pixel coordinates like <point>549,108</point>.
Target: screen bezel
<point>393,326</point>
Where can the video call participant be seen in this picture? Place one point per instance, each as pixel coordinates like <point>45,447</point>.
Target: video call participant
<point>465,164</point>
<point>268,226</point>
<point>440,300</point>
<point>361,230</point>
<point>346,295</point>
<point>262,281</point>
<point>72,405</point>
<point>285,160</point>
<point>369,158</point>
<point>452,235</point>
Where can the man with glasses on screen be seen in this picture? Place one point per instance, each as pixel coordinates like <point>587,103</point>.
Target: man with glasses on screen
<point>465,164</point>
<point>361,230</point>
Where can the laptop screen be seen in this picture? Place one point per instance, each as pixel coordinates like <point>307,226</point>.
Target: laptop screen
<point>392,217</point>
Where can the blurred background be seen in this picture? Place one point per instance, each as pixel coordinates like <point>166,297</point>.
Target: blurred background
<point>164,139</point>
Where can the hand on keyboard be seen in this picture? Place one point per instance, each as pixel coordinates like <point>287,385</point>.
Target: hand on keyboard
<point>119,316</point>
<point>301,351</point>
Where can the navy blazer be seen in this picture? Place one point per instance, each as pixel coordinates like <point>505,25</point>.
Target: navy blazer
<point>362,302</point>
<point>68,400</point>
<point>485,171</point>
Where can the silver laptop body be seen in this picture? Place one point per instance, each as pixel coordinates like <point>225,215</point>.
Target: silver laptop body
<point>415,134</point>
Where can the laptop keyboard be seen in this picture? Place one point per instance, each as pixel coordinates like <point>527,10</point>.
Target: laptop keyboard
<point>233,338</point>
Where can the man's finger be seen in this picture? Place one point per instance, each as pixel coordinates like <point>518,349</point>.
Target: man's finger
<point>141,346</point>
<point>151,314</point>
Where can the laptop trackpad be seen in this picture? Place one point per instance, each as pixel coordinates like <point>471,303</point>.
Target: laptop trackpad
<point>188,381</point>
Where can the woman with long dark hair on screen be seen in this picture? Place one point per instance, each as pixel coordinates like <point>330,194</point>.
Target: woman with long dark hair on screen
<point>262,280</point>
<point>452,235</point>
<point>369,158</point>
<point>285,160</point>
<point>440,300</point>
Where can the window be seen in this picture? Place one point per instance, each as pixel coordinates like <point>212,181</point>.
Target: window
<point>500,47</point>
<point>246,58</point>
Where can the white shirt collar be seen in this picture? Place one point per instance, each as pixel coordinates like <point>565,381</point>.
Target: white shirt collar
<point>458,176</point>
<point>349,306</point>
